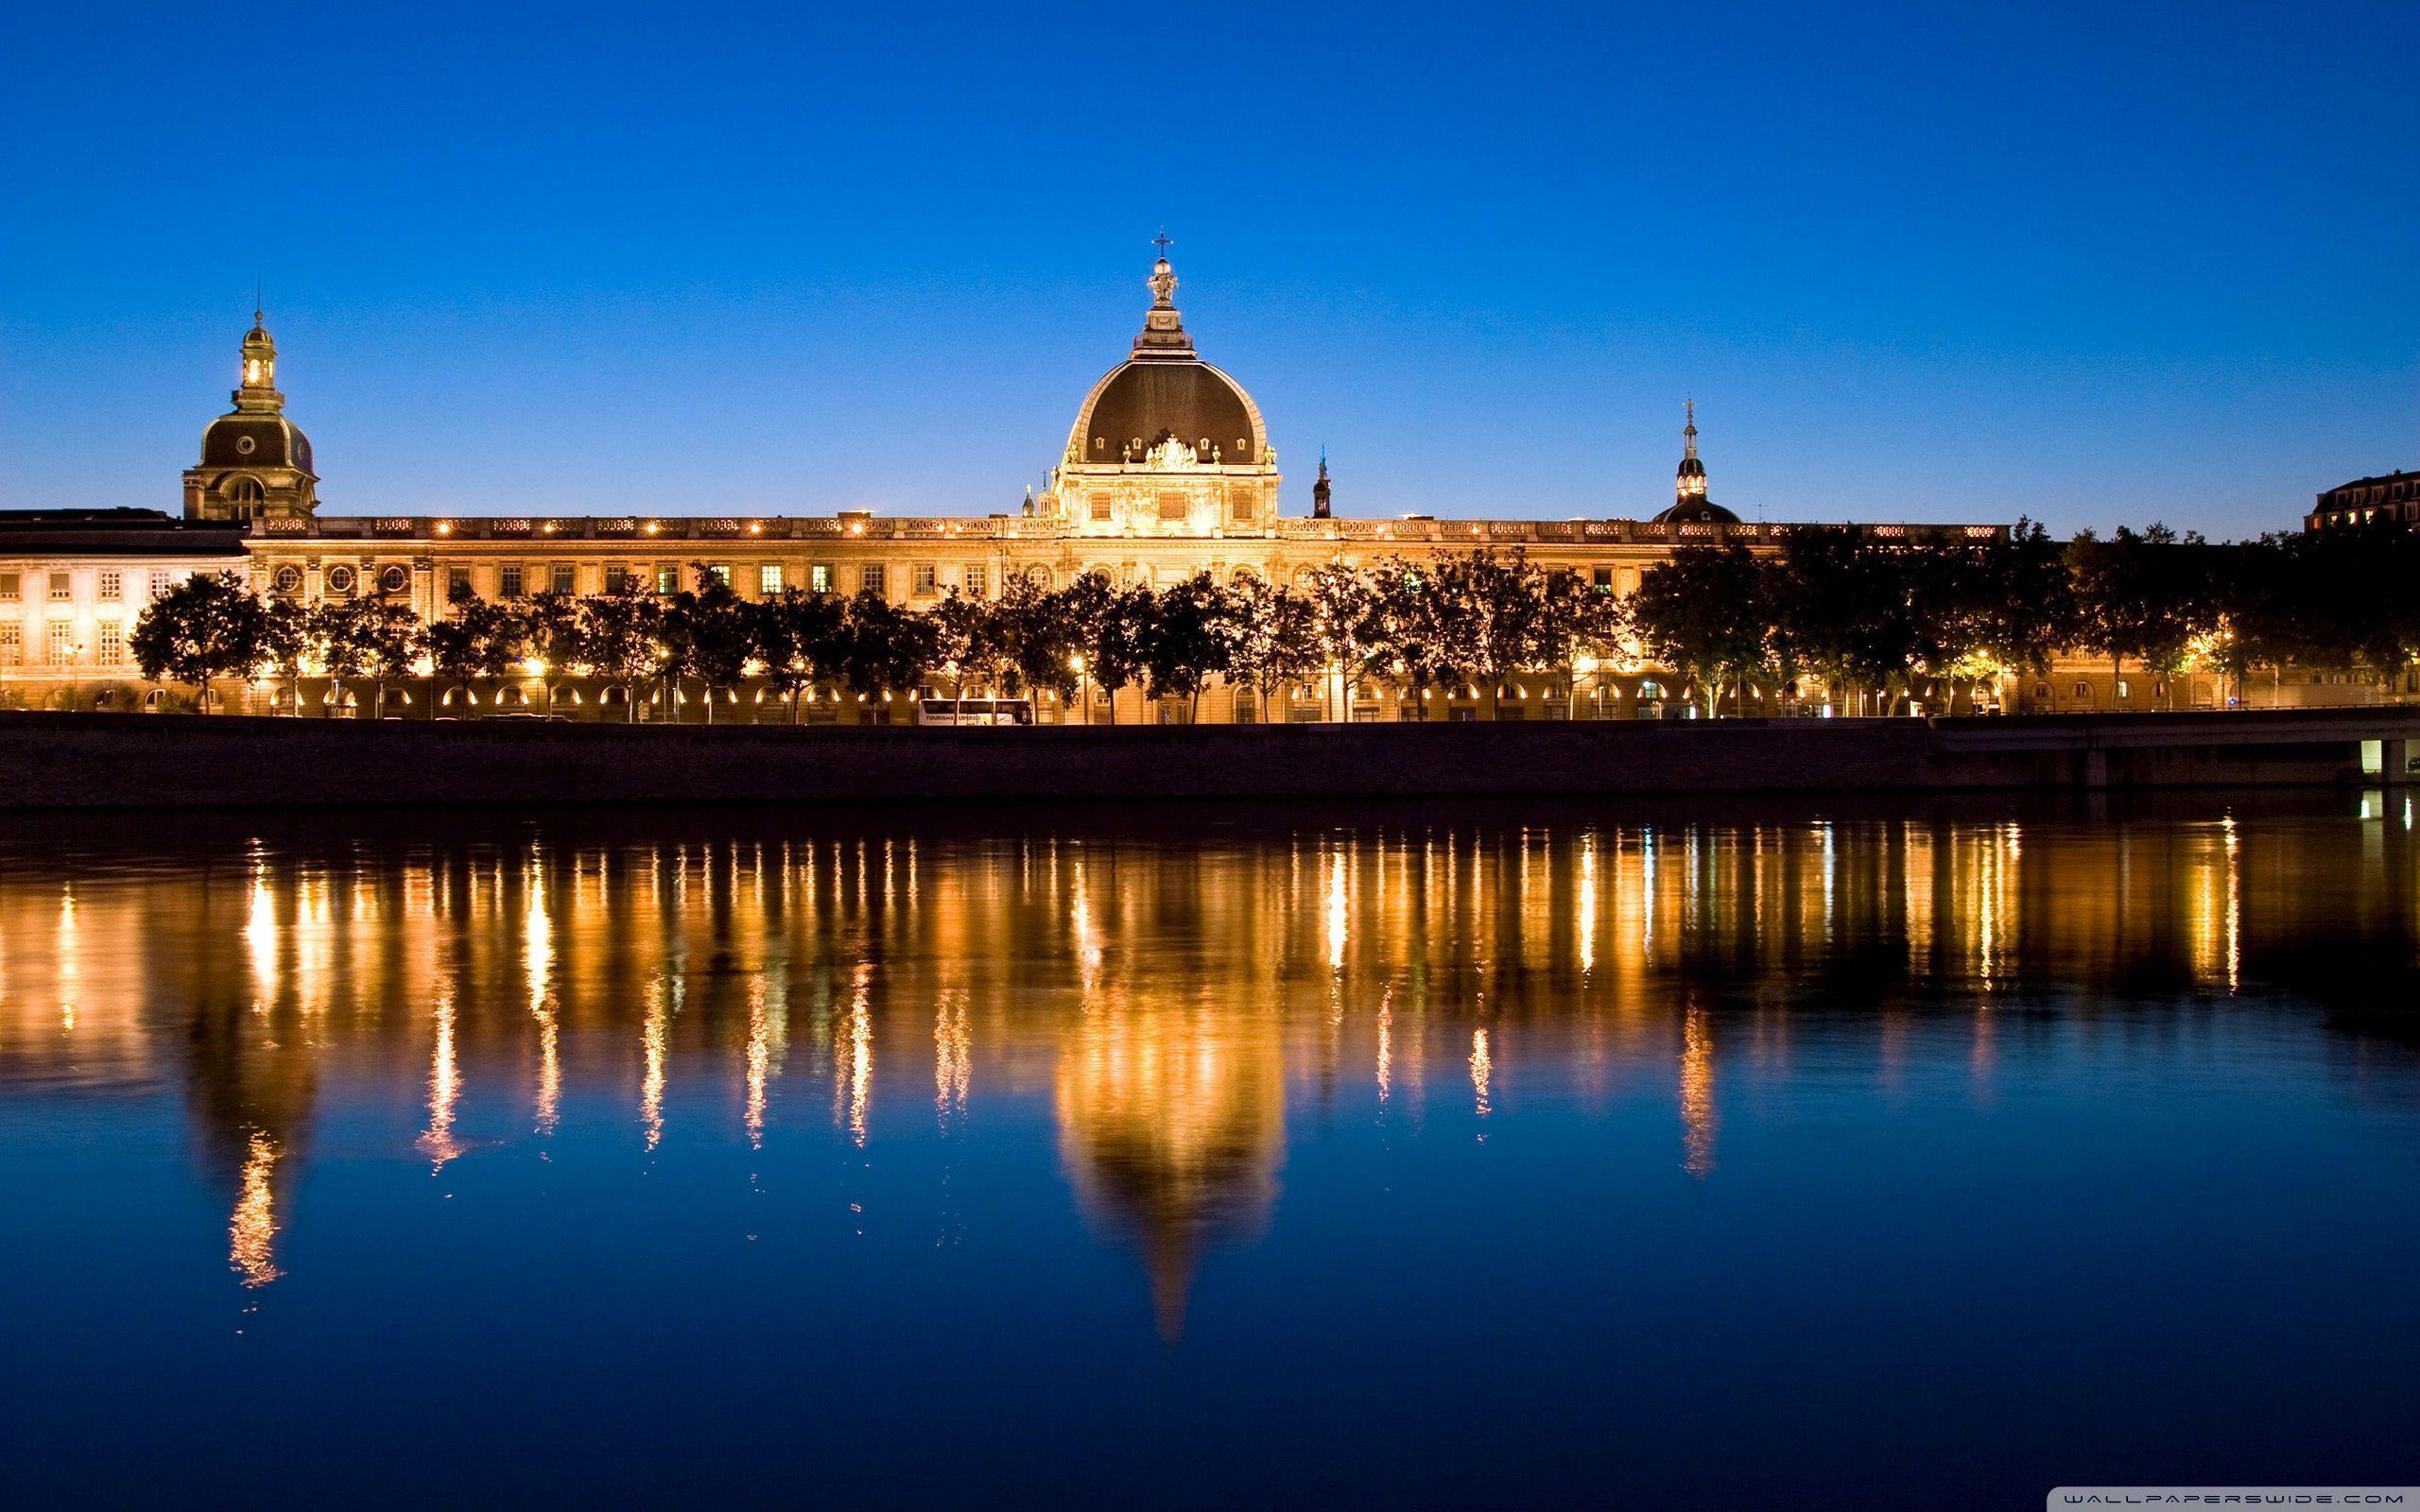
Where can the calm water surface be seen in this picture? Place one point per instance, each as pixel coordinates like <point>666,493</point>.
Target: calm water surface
<point>1712,1156</point>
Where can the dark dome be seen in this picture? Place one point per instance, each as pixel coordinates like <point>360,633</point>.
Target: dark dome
<point>1189,400</point>
<point>275,442</point>
<point>1699,512</point>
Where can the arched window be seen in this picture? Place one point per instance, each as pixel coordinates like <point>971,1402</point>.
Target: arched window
<point>245,498</point>
<point>1039,576</point>
<point>340,579</point>
<point>392,578</point>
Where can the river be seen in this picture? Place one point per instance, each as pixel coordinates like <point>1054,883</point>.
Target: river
<point>1719,1154</point>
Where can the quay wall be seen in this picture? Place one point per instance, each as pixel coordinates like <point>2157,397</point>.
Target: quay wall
<point>136,761</point>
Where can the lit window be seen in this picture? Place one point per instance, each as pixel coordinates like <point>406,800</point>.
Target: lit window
<point>159,581</point>
<point>768,578</point>
<point>2125,689</point>
<point>62,643</point>
<point>13,643</point>
<point>113,643</point>
<point>818,578</point>
<point>720,571</point>
<point>667,578</point>
<point>113,584</point>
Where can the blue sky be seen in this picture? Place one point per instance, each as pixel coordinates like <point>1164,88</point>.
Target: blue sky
<point>1955,262</point>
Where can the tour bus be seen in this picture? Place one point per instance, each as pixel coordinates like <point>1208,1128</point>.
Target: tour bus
<point>974,712</point>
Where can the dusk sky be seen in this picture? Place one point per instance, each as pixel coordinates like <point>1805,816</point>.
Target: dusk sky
<point>1957,264</point>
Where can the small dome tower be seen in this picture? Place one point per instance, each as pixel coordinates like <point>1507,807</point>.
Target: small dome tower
<point>256,463</point>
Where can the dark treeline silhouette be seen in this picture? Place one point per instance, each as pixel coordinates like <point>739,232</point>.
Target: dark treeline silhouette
<point>1878,625</point>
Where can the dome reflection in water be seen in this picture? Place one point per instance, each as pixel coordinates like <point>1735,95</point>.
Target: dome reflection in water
<point>1270,1093</point>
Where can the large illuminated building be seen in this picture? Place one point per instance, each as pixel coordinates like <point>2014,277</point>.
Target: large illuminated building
<point>1167,470</point>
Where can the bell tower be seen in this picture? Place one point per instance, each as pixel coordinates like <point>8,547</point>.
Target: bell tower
<point>1689,483</point>
<point>256,463</point>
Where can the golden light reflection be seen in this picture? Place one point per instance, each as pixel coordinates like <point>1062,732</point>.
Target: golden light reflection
<point>1697,1094</point>
<point>1587,917</point>
<point>861,1057</point>
<point>1386,1045</point>
<point>260,934</point>
<point>953,1049</point>
<point>445,1088</point>
<point>252,1232</point>
<point>653,1034</point>
<point>760,1060</point>
<point>69,945</point>
<point>1337,913</point>
<point>538,967</point>
<point>1483,1074</point>
<point>1172,1005</point>
<point>2234,905</point>
<point>1171,1119</point>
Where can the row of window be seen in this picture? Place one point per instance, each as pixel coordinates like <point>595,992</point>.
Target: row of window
<point>924,579</point>
<point>60,586</point>
<point>64,647</point>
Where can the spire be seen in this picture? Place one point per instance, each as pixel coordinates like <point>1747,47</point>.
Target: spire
<point>1690,481</point>
<point>1319,489</point>
<point>1163,326</point>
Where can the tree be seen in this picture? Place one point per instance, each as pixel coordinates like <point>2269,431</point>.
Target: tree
<point>1187,641</point>
<point>622,631</point>
<point>798,640</point>
<point>2029,609</point>
<point>1041,637</point>
<point>1423,627</point>
<point>555,630</point>
<point>1837,600</point>
<point>883,649</point>
<point>199,631</point>
<point>1346,624</point>
<point>709,634</point>
<point>286,642</point>
<point>1273,640</point>
<point>1109,625</point>
<point>1703,612</point>
<point>345,634</point>
<point>2145,595</point>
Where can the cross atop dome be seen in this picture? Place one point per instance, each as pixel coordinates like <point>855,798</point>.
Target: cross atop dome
<point>1163,327</point>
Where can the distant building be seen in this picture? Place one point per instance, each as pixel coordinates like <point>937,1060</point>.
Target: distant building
<point>2364,501</point>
